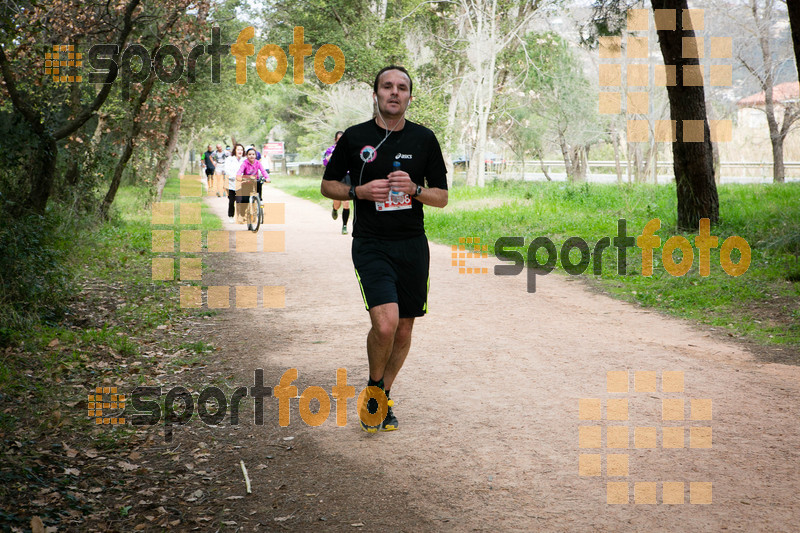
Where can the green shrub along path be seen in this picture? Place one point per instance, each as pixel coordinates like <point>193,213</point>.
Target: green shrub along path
<point>763,305</point>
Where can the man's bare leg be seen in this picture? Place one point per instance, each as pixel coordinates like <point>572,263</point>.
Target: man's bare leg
<point>388,342</point>
<point>402,343</point>
<point>380,340</point>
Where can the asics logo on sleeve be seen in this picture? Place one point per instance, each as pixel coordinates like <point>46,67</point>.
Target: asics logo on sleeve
<point>403,156</point>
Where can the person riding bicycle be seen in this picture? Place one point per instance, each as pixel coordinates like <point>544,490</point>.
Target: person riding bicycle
<point>250,168</point>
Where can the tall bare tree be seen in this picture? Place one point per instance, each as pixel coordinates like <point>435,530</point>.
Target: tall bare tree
<point>489,27</point>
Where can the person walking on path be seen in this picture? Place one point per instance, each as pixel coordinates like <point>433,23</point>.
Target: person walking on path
<point>219,158</point>
<point>230,170</point>
<point>208,164</point>
<point>337,203</point>
<point>389,159</point>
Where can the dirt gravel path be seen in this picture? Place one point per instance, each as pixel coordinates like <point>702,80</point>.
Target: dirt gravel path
<point>488,402</point>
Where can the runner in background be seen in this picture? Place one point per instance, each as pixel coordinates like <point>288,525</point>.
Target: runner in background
<point>219,158</point>
<point>208,165</point>
<point>337,203</point>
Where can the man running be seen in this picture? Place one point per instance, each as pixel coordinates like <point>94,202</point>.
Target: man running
<point>389,154</point>
<point>337,203</point>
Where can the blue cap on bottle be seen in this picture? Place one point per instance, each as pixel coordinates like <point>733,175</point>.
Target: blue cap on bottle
<point>396,165</point>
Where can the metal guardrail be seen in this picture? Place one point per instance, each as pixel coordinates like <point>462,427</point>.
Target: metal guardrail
<point>793,165</point>
<point>738,171</point>
<point>730,171</point>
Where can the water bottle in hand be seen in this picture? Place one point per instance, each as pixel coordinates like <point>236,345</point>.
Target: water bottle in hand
<point>396,197</point>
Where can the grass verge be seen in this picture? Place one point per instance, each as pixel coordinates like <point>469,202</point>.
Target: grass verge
<point>121,328</point>
<point>762,305</point>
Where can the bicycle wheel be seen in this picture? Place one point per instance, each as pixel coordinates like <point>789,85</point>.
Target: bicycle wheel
<point>254,212</point>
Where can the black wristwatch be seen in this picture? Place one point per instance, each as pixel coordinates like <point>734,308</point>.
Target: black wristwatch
<point>417,192</point>
<point>352,193</point>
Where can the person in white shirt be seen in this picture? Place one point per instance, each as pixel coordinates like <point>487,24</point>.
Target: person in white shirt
<point>230,170</point>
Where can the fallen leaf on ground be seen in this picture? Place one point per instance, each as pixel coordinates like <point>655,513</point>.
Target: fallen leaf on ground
<point>126,466</point>
<point>37,526</point>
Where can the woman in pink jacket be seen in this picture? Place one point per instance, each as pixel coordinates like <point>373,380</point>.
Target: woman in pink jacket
<point>252,169</point>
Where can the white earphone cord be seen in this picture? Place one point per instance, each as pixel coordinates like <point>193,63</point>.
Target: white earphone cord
<point>389,132</point>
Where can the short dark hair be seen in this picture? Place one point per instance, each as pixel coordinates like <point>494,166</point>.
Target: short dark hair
<point>336,135</point>
<point>393,67</point>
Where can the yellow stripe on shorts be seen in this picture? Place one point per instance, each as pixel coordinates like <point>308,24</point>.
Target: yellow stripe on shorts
<point>364,296</point>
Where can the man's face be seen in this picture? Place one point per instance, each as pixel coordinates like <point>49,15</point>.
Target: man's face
<point>209,148</point>
<point>219,148</point>
<point>393,93</point>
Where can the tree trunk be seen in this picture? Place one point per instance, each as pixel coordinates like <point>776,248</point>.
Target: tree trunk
<point>544,169</point>
<point>451,121</point>
<point>717,166</point>
<point>768,83</point>
<point>794,21</point>
<point>485,42</point>
<point>655,163</point>
<point>135,128</point>
<point>102,120</point>
<point>162,170</point>
<point>73,173</point>
<point>193,138</point>
<point>778,172</point>
<point>628,161</point>
<point>692,161</point>
<point>116,179</point>
<point>43,170</point>
<point>615,142</point>
<point>127,150</point>
<point>566,155</point>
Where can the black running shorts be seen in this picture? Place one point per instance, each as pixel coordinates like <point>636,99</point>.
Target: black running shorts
<point>393,271</point>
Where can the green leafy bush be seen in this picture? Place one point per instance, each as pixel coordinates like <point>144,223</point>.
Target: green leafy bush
<point>35,275</point>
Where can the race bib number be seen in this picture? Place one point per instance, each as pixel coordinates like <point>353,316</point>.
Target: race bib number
<point>395,202</point>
